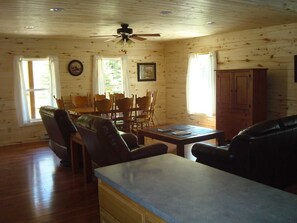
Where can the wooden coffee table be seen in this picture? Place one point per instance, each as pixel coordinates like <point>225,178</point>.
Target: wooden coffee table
<point>180,135</point>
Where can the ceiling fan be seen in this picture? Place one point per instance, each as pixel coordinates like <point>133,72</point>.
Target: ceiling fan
<point>126,34</point>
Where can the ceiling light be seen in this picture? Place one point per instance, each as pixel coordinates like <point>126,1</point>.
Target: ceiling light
<point>57,9</point>
<point>210,23</point>
<point>165,12</point>
<point>29,27</point>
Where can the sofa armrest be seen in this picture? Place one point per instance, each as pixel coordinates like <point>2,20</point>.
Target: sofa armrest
<point>130,139</point>
<point>203,148</point>
<point>215,156</point>
<point>148,151</point>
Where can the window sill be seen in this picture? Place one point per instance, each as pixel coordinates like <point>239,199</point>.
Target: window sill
<point>32,123</point>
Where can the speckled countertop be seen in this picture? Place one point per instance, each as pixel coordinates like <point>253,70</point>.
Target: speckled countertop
<point>181,190</point>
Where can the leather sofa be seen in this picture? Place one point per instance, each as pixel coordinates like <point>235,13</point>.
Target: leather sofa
<point>59,127</point>
<point>107,146</point>
<point>265,152</point>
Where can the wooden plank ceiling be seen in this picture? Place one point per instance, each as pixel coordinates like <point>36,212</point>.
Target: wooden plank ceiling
<point>173,19</point>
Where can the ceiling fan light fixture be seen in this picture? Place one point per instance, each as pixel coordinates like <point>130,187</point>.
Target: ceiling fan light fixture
<point>129,42</point>
<point>125,41</point>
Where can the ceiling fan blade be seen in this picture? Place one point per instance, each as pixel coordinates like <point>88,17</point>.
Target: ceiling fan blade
<point>111,39</point>
<point>104,36</point>
<point>155,34</point>
<point>134,36</point>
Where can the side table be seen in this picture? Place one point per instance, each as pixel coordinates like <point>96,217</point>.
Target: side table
<point>77,144</point>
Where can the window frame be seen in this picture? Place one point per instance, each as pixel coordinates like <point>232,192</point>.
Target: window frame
<point>23,106</point>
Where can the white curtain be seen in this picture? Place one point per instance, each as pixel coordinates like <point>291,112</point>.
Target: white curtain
<point>201,84</point>
<point>55,78</point>
<point>98,76</point>
<point>125,72</point>
<point>20,93</point>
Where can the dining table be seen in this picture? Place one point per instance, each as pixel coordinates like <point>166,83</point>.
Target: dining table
<point>81,110</point>
<point>90,110</point>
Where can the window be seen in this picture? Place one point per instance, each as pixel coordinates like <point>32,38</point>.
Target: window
<point>201,84</point>
<point>110,75</point>
<point>113,78</point>
<point>35,85</point>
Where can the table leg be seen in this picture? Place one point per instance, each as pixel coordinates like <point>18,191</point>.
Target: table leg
<point>74,156</point>
<point>221,139</point>
<point>140,139</point>
<point>87,162</point>
<point>180,150</point>
<point>76,144</point>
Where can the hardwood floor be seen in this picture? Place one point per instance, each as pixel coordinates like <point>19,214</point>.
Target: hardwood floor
<point>35,188</point>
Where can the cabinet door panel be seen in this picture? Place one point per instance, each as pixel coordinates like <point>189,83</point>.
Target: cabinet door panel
<point>242,91</point>
<point>224,90</point>
<point>105,217</point>
<point>119,207</point>
<point>115,207</point>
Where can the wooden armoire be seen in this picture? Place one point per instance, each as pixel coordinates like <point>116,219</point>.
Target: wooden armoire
<point>240,99</point>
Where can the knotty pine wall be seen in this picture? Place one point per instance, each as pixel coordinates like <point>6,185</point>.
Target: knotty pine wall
<point>273,48</point>
<point>67,50</point>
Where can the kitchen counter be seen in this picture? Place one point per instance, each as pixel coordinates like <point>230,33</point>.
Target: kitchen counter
<point>179,190</point>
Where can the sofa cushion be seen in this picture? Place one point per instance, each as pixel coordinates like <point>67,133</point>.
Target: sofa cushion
<point>261,128</point>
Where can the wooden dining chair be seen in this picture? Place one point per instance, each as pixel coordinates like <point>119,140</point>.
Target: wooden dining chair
<point>115,96</point>
<point>60,102</point>
<point>152,108</point>
<point>98,97</point>
<point>122,113</point>
<point>103,108</point>
<point>79,101</point>
<point>142,112</point>
<point>148,93</point>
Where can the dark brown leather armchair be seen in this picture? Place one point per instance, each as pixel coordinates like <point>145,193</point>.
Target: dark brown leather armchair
<point>106,146</point>
<point>59,128</point>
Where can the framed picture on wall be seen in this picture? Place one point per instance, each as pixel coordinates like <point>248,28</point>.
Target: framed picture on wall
<point>75,67</point>
<point>146,72</point>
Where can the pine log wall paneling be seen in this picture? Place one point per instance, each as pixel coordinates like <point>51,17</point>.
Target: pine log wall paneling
<point>67,50</point>
<point>272,47</point>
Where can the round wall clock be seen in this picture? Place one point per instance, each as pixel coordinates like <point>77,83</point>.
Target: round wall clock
<point>75,67</point>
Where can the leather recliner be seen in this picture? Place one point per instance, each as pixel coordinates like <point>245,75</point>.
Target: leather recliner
<point>106,146</point>
<point>59,127</point>
<point>265,152</point>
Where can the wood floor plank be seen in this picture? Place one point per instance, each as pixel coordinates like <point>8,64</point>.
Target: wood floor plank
<point>35,188</point>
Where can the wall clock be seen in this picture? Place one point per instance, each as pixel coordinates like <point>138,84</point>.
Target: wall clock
<point>75,67</point>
